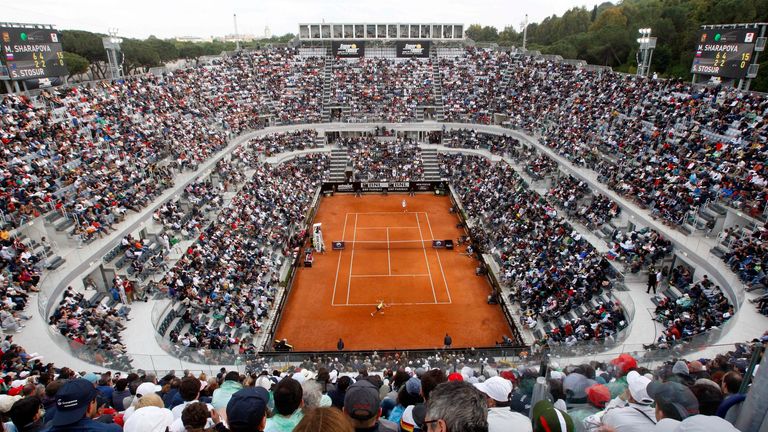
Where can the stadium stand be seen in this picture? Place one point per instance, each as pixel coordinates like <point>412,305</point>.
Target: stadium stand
<point>82,157</point>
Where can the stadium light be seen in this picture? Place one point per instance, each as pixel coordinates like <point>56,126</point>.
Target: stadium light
<point>645,53</point>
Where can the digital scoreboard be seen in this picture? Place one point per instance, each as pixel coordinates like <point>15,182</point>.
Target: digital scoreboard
<point>725,52</point>
<point>32,52</point>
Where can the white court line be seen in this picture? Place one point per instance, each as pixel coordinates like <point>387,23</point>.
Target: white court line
<point>338,265</point>
<point>354,236</point>
<point>400,213</point>
<point>381,228</point>
<point>392,275</point>
<point>431,283</point>
<point>393,304</point>
<point>445,281</point>
<point>389,257</point>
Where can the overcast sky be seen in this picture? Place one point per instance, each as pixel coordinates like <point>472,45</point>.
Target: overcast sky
<point>170,18</point>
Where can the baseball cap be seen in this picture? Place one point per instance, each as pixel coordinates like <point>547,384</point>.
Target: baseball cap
<point>147,388</point>
<point>91,377</point>
<point>496,388</point>
<point>547,418</point>
<point>413,386</point>
<point>72,401</point>
<point>362,400</point>
<point>638,385</point>
<point>625,362</point>
<point>676,394</point>
<point>455,376</point>
<point>598,395</point>
<point>149,419</point>
<point>247,407</point>
<point>704,423</point>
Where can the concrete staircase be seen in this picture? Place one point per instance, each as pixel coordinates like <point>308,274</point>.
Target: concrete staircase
<point>437,88</point>
<point>319,141</point>
<point>327,77</point>
<point>339,160</point>
<point>431,168</point>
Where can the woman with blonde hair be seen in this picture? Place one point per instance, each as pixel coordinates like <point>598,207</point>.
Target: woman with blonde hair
<point>327,419</point>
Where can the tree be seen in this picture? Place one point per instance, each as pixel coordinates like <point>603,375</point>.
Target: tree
<point>139,56</point>
<point>87,45</point>
<point>479,33</point>
<point>76,64</point>
<point>593,16</point>
<point>166,50</point>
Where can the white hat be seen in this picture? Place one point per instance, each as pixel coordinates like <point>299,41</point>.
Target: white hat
<point>638,388</point>
<point>6,402</point>
<point>147,388</point>
<point>705,423</point>
<point>149,419</point>
<point>497,388</point>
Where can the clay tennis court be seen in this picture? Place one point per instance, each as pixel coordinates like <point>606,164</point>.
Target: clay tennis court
<point>389,257</point>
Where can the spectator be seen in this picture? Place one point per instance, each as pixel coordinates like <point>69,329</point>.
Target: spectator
<point>288,403</point>
<point>631,411</point>
<point>497,391</point>
<point>363,408</point>
<point>674,403</point>
<point>150,419</point>
<point>75,406</point>
<point>326,419</point>
<point>456,406</point>
<point>733,401</point>
<point>546,418</point>
<point>195,417</point>
<point>27,414</point>
<point>247,410</point>
<point>222,394</point>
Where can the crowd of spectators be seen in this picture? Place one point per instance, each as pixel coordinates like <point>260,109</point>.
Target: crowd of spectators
<point>470,84</point>
<point>271,144</point>
<point>549,266</point>
<point>226,281</point>
<point>638,248</point>
<point>374,160</point>
<point>21,271</point>
<point>574,196</point>
<point>469,138</point>
<point>621,394</point>
<point>689,307</point>
<point>379,89</point>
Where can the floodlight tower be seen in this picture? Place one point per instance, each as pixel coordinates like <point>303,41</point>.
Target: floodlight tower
<point>237,36</point>
<point>644,55</point>
<point>114,55</point>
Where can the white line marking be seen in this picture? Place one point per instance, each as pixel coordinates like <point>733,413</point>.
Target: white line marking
<point>445,281</point>
<point>338,265</point>
<point>393,304</point>
<point>349,282</point>
<point>431,283</point>
<point>397,213</point>
<point>392,275</point>
<point>389,256</point>
<point>381,228</point>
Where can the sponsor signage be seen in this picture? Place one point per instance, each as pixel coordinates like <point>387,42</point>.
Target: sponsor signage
<point>417,49</point>
<point>416,186</point>
<point>348,49</point>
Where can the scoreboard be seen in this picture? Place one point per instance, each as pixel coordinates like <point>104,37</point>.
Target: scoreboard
<point>725,52</point>
<point>32,52</point>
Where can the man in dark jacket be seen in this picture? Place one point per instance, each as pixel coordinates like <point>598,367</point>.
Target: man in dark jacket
<point>75,405</point>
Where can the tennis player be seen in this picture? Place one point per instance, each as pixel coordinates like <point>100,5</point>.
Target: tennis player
<point>405,206</point>
<point>379,307</point>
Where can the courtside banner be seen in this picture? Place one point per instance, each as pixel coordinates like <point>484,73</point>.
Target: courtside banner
<point>348,49</point>
<point>419,49</point>
<point>405,186</point>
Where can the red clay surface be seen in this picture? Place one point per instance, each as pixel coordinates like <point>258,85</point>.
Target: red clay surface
<point>429,292</point>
